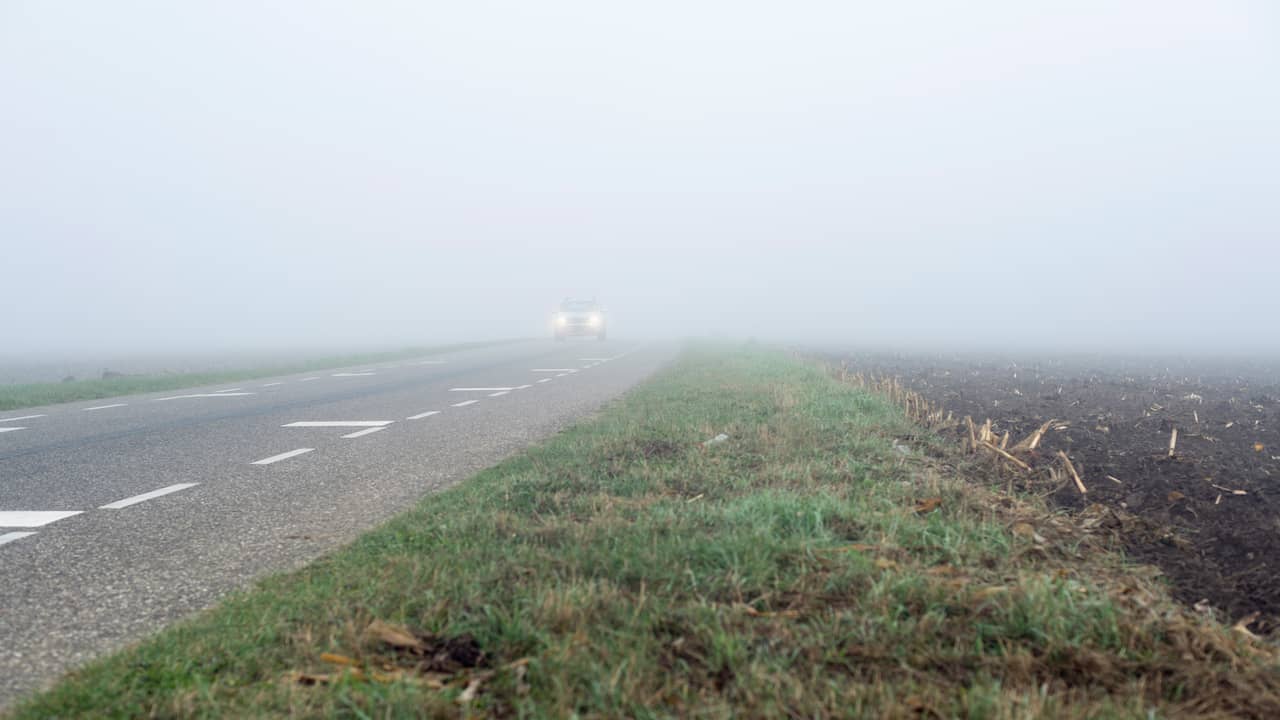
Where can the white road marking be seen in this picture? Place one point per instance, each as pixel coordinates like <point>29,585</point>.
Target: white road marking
<point>273,384</point>
<point>228,390</point>
<point>307,379</point>
<point>555,370</point>
<point>33,518</point>
<point>524,387</point>
<point>366,431</point>
<point>562,374</point>
<point>544,380</point>
<point>282,456</point>
<point>594,360</point>
<point>500,393</point>
<point>10,537</point>
<point>119,504</point>
<point>419,416</point>
<point>431,362</point>
<point>203,395</point>
<point>492,389</point>
<point>104,407</point>
<point>465,403</point>
<point>635,349</point>
<point>354,374</point>
<point>340,423</point>
<point>11,429</point>
<point>24,417</point>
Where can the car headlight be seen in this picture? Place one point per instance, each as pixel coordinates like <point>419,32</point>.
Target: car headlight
<point>560,320</point>
<point>594,320</point>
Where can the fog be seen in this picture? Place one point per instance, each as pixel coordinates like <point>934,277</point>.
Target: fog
<point>236,175</point>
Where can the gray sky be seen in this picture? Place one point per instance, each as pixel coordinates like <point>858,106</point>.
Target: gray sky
<point>1100,174</point>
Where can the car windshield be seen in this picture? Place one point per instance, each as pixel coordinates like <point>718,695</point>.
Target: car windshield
<point>577,306</point>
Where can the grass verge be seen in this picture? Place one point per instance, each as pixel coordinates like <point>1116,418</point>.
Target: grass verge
<point>823,561</point>
<point>15,397</point>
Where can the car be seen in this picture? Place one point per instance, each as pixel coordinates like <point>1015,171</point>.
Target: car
<point>579,318</point>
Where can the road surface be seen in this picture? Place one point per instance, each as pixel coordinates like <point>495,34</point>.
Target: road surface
<point>119,516</point>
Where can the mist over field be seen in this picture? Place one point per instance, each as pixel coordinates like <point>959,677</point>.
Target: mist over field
<point>232,177</point>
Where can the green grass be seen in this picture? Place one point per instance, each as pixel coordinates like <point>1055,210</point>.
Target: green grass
<point>14,397</point>
<point>622,569</point>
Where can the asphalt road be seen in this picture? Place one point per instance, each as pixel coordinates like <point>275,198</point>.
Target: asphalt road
<point>119,516</point>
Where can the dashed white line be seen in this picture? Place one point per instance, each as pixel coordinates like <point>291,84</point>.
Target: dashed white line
<point>555,370</point>
<point>11,429</point>
<point>24,417</point>
<point>562,374</point>
<point>353,374</point>
<point>10,537</point>
<point>500,393</point>
<point>273,384</point>
<point>308,379</point>
<point>426,414</point>
<point>594,360</point>
<point>544,380</point>
<point>224,394</point>
<point>119,504</point>
<point>339,423</point>
<point>524,387</point>
<point>361,433</point>
<point>465,403</point>
<point>104,407</point>
<point>33,518</point>
<point>636,349</point>
<point>227,390</point>
<point>282,456</point>
<point>480,389</point>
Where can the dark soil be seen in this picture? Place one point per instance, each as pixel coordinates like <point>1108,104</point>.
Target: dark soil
<point>1210,513</point>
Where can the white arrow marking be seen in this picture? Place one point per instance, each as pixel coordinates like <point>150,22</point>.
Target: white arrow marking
<point>282,456</point>
<point>10,537</point>
<point>119,504</point>
<point>340,423</point>
<point>361,433</point>
<point>204,395</point>
<point>33,518</point>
